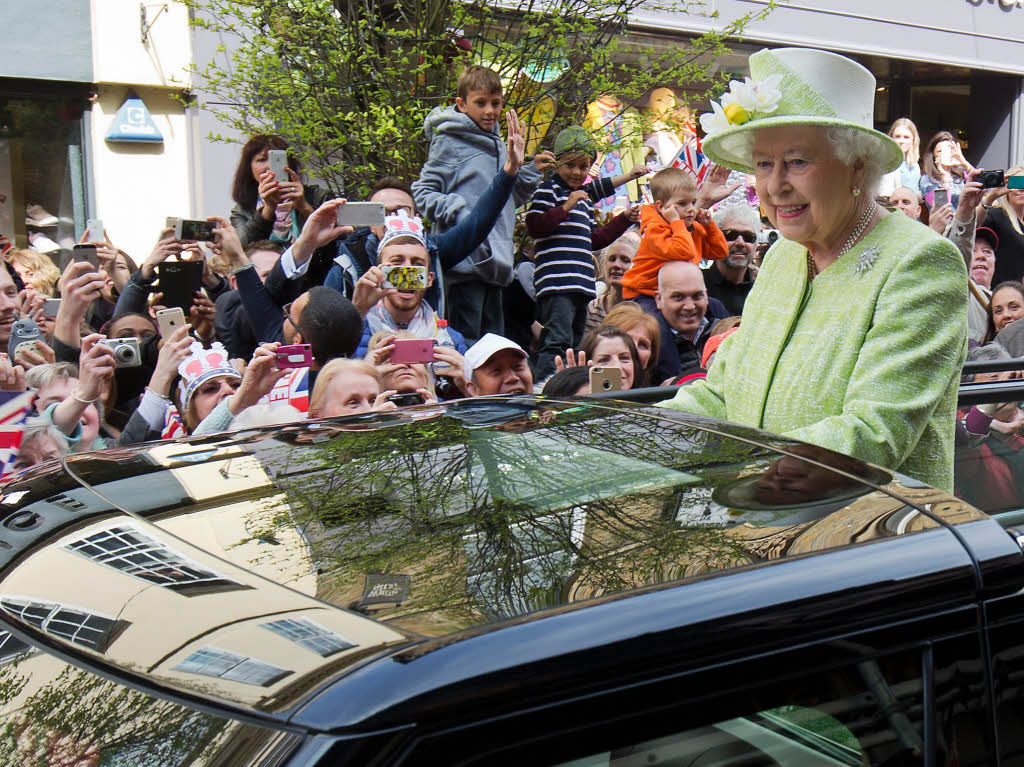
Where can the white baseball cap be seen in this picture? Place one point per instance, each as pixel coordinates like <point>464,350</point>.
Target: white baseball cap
<point>487,347</point>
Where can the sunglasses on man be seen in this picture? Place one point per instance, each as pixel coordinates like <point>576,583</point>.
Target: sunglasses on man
<point>748,237</point>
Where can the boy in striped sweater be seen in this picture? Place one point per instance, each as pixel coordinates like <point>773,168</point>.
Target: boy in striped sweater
<point>561,221</point>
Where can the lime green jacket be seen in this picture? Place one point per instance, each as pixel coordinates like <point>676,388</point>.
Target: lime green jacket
<point>864,360</point>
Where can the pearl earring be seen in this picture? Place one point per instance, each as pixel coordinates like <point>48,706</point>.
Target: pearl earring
<point>856,192</point>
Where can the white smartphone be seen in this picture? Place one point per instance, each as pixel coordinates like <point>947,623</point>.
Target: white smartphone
<point>169,320</point>
<point>278,160</point>
<point>361,214</point>
<point>94,231</point>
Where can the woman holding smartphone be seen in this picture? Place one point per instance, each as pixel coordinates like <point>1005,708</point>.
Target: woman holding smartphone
<point>944,166</point>
<point>1002,211</point>
<point>265,208</point>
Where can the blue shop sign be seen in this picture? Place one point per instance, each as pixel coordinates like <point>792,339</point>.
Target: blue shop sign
<point>134,124</point>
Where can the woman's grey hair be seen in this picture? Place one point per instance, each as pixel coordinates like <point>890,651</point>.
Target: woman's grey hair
<point>850,145</point>
<point>44,375</point>
<point>629,237</point>
<point>744,213</point>
<point>38,428</point>
<point>984,353</point>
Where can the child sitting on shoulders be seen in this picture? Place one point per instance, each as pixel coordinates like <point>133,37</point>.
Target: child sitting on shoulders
<point>673,228</point>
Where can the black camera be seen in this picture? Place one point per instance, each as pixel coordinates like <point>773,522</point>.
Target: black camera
<point>990,179</point>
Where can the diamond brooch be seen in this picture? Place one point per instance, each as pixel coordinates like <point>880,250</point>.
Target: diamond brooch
<point>867,259</point>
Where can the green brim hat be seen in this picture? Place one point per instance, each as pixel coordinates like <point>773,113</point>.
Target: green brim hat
<point>793,86</point>
<point>573,141</point>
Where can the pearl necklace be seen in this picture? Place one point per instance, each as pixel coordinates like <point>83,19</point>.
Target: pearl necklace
<point>855,235</point>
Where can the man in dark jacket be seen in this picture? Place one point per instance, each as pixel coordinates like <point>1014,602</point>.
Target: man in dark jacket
<point>685,314</point>
<point>730,279</point>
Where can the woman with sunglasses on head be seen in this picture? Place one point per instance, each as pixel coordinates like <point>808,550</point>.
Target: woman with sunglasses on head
<point>730,279</point>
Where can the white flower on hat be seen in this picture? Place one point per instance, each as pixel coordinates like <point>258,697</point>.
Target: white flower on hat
<point>742,102</point>
<point>714,121</point>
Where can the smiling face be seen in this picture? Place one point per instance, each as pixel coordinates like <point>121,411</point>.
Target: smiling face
<point>618,257</point>
<point>983,263</point>
<point>574,170</point>
<point>806,191</point>
<point>682,298</point>
<point>1007,306</point>
<point>742,245</point>
<point>482,107</point>
<point>644,344</point>
<point>613,352</point>
<point>405,254</point>
<point>8,304</point>
<point>504,372</point>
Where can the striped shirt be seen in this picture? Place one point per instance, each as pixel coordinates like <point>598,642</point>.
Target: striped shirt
<point>565,243</point>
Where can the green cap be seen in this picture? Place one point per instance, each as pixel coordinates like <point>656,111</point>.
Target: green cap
<point>573,140</point>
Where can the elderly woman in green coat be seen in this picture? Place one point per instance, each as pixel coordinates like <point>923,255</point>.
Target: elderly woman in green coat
<point>856,329</point>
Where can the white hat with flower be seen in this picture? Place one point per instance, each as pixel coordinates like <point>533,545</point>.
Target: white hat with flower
<point>793,86</point>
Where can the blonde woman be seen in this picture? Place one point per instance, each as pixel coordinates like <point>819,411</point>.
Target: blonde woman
<point>613,263</point>
<point>36,270</point>
<point>908,175</point>
<point>1002,211</point>
<point>347,387</point>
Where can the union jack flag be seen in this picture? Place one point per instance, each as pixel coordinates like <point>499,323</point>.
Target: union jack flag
<point>292,389</point>
<point>14,409</point>
<point>173,427</point>
<point>692,160</point>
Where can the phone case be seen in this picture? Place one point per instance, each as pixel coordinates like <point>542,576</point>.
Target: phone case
<point>361,214</point>
<point>412,350</point>
<point>605,379</point>
<point>169,320</point>
<point>294,356</point>
<point>405,277</point>
<point>278,161</point>
<point>179,281</point>
<point>94,228</point>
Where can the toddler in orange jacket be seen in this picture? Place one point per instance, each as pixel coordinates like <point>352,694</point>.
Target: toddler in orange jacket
<point>672,229</point>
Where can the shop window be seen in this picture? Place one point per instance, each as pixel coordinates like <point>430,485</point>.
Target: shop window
<point>134,552</point>
<point>42,175</point>
<point>224,664</point>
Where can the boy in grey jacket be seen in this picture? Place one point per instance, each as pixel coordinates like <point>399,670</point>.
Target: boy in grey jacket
<point>466,151</point>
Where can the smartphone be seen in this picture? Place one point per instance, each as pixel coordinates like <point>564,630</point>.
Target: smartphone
<point>84,252</point>
<point>278,161</point>
<point>50,307</point>
<point>409,398</point>
<point>23,331</point>
<point>171,222</point>
<point>94,230</point>
<point>294,356</point>
<point>361,214</point>
<point>179,281</point>
<point>990,179</point>
<point>194,230</point>
<point>405,277</point>
<point>169,320</point>
<point>410,350</point>
<point>941,198</point>
<point>1015,182</point>
<point>605,379</point>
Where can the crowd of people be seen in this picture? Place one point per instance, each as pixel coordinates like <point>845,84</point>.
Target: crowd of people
<point>529,288</point>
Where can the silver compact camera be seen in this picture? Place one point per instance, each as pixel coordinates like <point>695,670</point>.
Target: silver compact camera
<point>126,351</point>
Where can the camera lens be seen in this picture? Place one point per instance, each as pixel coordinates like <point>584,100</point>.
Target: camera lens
<point>606,385</point>
<point>124,354</point>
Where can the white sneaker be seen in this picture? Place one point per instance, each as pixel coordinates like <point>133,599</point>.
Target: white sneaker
<point>42,243</point>
<point>37,215</point>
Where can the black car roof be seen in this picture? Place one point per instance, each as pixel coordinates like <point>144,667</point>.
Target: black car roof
<point>253,568</point>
